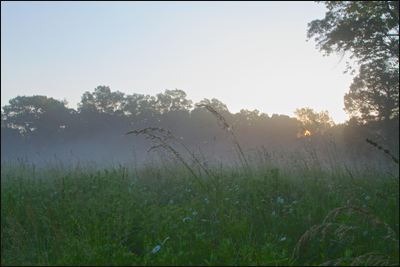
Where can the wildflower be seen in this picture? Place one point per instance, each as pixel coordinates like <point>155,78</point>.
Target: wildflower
<point>227,198</point>
<point>219,180</point>
<point>273,213</point>
<point>132,182</point>
<point>140,190</point>
<point>282,200</point>
<point>214,189</point>
<point>186,189</point>
<point>156,249</point>
<point>283,238</point>
<point>283,210</point>
<point>208,201</point>
<point>237,202</point>
<point>263,200</point>
<point>144,188</point>
<point>365,233</point>
<point>165,240</point>
<point>194,213</point>
<point>367,197</point>
<point>237,188</point>
<point>130,189</point>
<point>189,190</point>
<point>203,233</point>
<point>203,220</point>
<point>258,207</point>
<point>190,208</point>
<point>171,201</point>
<point>205,199</point>
<point>190,184</point>
<point>363,194</point>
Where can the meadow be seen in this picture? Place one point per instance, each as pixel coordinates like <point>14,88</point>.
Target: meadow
<point>182,208</point>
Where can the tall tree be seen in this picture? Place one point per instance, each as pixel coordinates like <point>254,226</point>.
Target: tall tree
<point>37,117</point>
<point>309,116</point>
<point>374,94</point>
<point>369,30</point>
<point>173,100</point>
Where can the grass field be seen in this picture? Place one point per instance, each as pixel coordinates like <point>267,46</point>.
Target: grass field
<point>185,209</point>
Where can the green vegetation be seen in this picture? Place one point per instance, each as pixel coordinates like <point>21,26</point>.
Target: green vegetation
<point>191,210</point>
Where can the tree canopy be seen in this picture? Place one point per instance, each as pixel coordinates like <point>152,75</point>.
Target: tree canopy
<point>369,30</point>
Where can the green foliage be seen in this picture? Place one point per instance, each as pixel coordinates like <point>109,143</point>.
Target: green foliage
<point>286,214</point>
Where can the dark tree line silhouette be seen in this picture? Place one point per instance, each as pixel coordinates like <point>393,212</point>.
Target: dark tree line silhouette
<point>38,123</point>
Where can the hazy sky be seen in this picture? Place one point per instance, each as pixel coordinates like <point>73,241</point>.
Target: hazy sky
<point>249,55</point>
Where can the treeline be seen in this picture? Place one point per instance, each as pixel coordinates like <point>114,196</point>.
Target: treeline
<point>38,123</point>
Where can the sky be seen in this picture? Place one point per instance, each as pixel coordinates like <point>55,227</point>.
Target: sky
<point>248,55</point>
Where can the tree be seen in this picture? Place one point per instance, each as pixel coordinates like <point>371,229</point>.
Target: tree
<point>309,116</point>
<point>367,29</point>
<point>374,94</point>
<point>37,117</point>
<point>370,31</point>
<point>215,104</point>
<point>102,100</point>
<point>173,100</point>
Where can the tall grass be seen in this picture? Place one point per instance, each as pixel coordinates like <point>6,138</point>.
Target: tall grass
<point>186,209</point>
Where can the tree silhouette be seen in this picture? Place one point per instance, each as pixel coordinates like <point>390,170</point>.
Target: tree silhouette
<point>369,30</point>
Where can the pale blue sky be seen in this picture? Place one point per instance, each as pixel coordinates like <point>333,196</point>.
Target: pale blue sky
<point>250,55</point>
